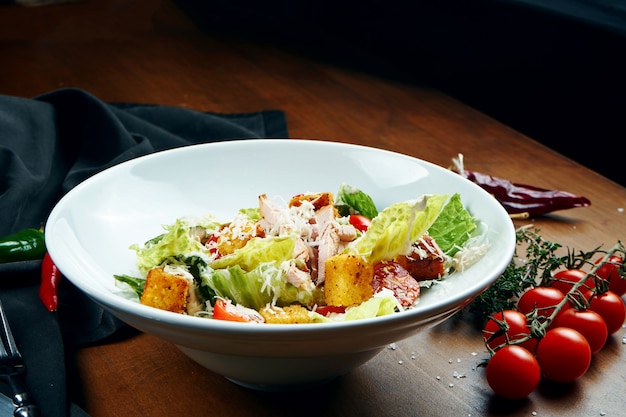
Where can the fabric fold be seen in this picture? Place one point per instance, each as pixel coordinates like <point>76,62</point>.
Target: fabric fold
<point>48,145</point>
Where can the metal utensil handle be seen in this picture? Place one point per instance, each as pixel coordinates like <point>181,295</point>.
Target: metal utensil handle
<point>22,400</point>
<point>26,411</point>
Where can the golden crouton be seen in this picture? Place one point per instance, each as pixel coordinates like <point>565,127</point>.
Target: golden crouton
<point>348,280</point>
<point>318,200</point>
<point>235,236</point>
<point>165,291</point>
<point>292,314</point>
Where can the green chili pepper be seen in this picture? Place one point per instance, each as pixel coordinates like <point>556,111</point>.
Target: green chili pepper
<point>25,245</point>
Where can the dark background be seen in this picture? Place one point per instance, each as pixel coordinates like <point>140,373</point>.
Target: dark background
<point>553,70</point>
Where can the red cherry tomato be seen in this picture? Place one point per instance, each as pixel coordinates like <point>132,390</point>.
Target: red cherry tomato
<point>507,327</point>
<point>589,323</point>
<point>612,309</point>
<point>359,221</point>
<point>563,354</point>
<point>225,310</point>
<point>513,372</point>
<point>565,279</point>
<point>326,310</point>
<point>543,300</point>
<point>395,277</point>
<point>610,272</point>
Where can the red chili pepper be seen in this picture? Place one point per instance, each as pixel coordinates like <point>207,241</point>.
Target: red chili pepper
<point>521,198</point>
<point>50,277</point>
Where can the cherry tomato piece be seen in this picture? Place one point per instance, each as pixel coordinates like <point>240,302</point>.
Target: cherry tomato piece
<point>225,310</point>
<point>563,354</point>
<point>513,372</point>
<point>610,272</point>
<point>543,300</point>
<point>508,327</point>
<point>326,310</point>
<point>589,323</point>
<point>564,281</point>
<point>612,309</point>
<point>359,221</point>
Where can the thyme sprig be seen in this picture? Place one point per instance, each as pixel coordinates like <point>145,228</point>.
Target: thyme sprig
<point>523,272</point>
<point>536,266</point>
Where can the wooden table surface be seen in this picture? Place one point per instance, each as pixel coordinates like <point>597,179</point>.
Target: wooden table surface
<point>149,51</point>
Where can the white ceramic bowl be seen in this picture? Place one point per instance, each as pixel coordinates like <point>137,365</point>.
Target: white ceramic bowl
<point>89,232</point>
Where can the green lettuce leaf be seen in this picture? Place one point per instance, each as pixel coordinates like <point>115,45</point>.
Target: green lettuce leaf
<point>397,227</point>
<point>260,286</point>
<point>254,276</point>
<point>453,227</point>
<point>254,214</point>
<point>351,200</point>
<point>176,240</point>
<point>380,305</point>
<point>258,251</point>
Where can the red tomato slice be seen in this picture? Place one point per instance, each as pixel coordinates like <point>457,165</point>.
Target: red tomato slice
<point>326,310</point>
<point>225,310</point>
<point>359,221</point>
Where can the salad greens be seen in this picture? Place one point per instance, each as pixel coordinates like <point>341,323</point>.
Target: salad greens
<point>176,240</point>
<point>395,228</point>
<point>351,200</point>
<point>453,227</point>
<point>254,275</point>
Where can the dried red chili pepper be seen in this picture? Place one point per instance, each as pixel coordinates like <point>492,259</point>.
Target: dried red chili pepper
<point>521,198</point>
<point>50,277</point>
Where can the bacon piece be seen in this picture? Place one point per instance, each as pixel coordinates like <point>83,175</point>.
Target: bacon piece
<point>426,260</point>
<point>395,277</point>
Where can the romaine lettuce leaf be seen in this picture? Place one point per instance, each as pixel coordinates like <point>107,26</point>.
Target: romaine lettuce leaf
<point>254,214</point>
<point>258,287</point>
<point>350,200</point>
<point>395,228</point>
<point>254,275</point>
<point>453,227</point>
<point>258,251</point>
<point>176,240</point>
<point>380,304</point>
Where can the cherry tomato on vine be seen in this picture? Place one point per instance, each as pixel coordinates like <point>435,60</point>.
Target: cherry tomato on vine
<point>610,272</point>
<point>612,309</point>
<point>565,279</point>
<point>589,323</point>
<point>513,372</point>
<point>563,354</point>
<point>360,222</point>
<point>508,326</point>
<point>543,299</point>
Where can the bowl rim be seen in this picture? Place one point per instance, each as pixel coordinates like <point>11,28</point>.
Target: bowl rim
<point>115,301</point>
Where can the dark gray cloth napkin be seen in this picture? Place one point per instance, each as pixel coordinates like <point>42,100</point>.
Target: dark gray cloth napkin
<point>48,145</point>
